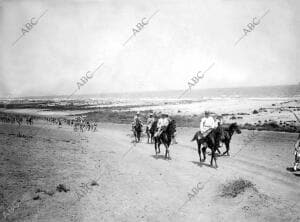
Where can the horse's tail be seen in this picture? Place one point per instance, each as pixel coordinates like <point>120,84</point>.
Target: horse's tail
<point>195,137</point>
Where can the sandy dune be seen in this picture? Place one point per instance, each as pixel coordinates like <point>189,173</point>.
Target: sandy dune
<point>136,186</point>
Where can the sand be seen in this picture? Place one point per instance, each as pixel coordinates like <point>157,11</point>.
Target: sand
<point>136,186</point>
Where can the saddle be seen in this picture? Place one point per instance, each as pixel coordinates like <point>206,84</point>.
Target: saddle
<point>137,126</point>
<point>205,134</point>
<point>159,132</point>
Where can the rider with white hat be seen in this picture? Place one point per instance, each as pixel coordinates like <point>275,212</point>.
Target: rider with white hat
<point>150,121</point>
<point>137,118</point>
<point>207,124</point>
<point>162,123</point>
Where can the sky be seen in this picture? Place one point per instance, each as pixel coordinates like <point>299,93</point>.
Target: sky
<point>181,39</point>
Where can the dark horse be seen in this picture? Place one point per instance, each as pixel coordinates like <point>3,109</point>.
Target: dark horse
<point>165,138</point>
<point>211,141</point>
<point>137,130</point>
<point>150,132</point>
<point>228,132</point>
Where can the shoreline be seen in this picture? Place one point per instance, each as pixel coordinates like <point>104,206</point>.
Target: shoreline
<point>261,114</point>
<point>190,121</point>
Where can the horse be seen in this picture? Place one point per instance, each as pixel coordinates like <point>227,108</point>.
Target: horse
<point>137,129</point>
<point>211,141</point>
<point>150,132</point>
<point>228,132</point>
<point>165,138</point>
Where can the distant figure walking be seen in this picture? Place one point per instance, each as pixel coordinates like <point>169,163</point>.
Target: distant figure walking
<point>29,120</point>
<point>95,126</point>
<point>19,120</point>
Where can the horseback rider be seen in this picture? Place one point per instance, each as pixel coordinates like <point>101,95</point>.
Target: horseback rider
<point>207,124</point>
<point>150,121</point>
<point>137,120</point>
<point>219,121</point>
<point>162,124</point>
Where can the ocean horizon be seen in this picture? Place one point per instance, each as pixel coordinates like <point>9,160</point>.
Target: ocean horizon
<point>281,91</point>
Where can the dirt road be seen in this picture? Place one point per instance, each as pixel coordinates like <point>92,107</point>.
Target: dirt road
<point>134,185</point>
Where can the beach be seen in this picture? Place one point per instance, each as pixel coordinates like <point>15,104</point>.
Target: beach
<point>53,171</point>
<point>133,184</point>
<point>270,108</point>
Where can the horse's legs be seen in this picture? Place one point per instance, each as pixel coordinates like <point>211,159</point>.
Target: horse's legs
<point>166,151</point>
<point>158,147</point>
<point>227,148</point>
<point>167,154</point>
<point>199,150</point>
<point>155,147</point>
<point>152,137</point>
<point>135,136</point>
<point>213,157</point>
<point>204,153</point>
<point>296,163</point>
<point>148,136</point>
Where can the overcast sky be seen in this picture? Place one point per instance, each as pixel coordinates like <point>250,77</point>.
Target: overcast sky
<point>181,39</point>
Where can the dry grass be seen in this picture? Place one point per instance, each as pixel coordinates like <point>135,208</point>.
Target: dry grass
<point>94,183</point>
<point>62,187</point>
<point>235,187</point>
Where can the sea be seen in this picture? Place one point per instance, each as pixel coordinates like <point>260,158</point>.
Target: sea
<point>219,100</point>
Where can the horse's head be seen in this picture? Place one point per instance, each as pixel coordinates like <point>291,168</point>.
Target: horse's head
<point>235,128</point>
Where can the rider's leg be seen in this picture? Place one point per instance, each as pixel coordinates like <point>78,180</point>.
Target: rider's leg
<point>296,162</point>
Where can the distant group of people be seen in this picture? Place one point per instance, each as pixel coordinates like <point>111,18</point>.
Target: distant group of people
<point>79,123</point>
<point>16,118</point>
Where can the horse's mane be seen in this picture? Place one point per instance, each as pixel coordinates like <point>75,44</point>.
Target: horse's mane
<point>215,131</point>
<point>154,125</point>
<point>171,127</point>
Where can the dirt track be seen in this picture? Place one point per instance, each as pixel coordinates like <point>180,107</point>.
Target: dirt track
<point>136,186</point>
